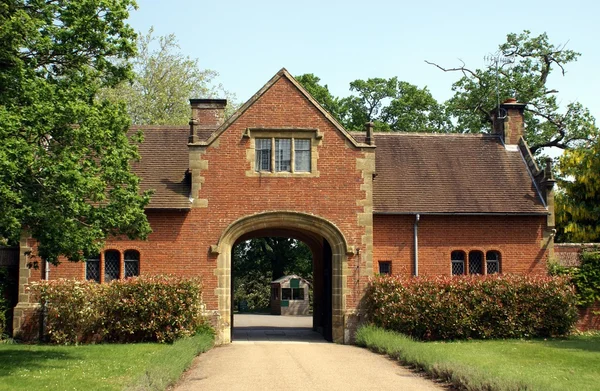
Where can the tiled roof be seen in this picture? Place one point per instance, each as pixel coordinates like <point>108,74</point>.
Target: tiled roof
<point>164,166</point>
<point>450,173</point>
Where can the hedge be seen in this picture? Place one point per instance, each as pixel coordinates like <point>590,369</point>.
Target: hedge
<point>148,308</point>
<point>473,307</point>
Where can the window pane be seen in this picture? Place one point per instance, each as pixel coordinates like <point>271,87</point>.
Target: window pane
<point>385,267</point>
<point>283,154</point>
<point>458,268</point>
<point>132,263</point>
<point>493,262</point>
<point>286,294</point>
<point>457,256</point>
<point>92,269</point>
<point>112,260</point>
<point>263,154</point>
<point>298,293</point>
<point>475,262</point>
<point>302,155</point>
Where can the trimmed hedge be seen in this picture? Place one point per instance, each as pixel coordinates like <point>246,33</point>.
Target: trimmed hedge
<point>477,307</point>
<point>148,308</point>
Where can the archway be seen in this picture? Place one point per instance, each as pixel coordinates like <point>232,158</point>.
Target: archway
<point>305,227</point>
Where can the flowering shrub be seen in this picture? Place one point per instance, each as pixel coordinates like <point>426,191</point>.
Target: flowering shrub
<point>153,308</point>
<point>463,307</point>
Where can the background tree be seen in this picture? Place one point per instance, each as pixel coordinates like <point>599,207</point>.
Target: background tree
<point>164,81</point>
<point>526,77</point>
<point>64,155</point>
<point>389,103</point>
<point>578,201</point>
<point>259,261</point>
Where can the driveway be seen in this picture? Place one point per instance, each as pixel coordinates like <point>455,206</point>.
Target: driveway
<point>287,362</point>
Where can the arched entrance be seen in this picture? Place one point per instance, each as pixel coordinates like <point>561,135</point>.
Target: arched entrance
<point>308,228</point>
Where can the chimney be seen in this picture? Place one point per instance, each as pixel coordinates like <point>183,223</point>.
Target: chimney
<point>509,121</point>
<point>369,139</point>
<point>207,114</point>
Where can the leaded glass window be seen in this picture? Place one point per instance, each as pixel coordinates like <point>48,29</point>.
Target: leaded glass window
<point>283,154</point>
<point>263,154</point>
<point>112,261</point>
<point>492,262</point>
<point>458,262</point>
<point>475,262</point>
<point>302,155</point>
<point>92,268</point>
<point>132,263</point>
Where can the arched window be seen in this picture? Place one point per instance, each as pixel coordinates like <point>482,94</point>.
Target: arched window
<point>92,268</point>
<point>112,263</point>
<point>132,263</point>
<point>458,262</point>
<point>475,262</point>
<point>492,259</point>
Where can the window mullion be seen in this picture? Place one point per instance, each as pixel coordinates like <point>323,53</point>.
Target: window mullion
<point>273,153</point>
<point>292,156</point>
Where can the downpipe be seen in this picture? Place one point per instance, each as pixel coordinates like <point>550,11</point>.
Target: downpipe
<point>416,237</point>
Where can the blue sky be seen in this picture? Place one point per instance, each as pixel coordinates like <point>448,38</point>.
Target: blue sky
<point>247,42</point>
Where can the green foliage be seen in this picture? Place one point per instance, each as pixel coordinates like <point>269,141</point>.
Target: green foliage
<point>5,286</point>
<point>578,201</point>
<point>465,307</point>
<point>164,81</point>
<point>257,262</point>
<point>153,308</point>
<point>64,155</point>
<point>587,278</point>
<point>550,364</point>
<point>389,103</point>
<point>527,77</point>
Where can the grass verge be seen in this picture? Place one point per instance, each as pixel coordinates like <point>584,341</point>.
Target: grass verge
<point>554,364</point>
<point>142,366</point>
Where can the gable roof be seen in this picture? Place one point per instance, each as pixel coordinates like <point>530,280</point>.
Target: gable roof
<point>283,73</point>
<point>451,174</point>
<point>164,165</point>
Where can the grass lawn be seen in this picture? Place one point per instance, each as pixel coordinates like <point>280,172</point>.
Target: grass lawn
<point>555,364</point>
<point>143,366</point>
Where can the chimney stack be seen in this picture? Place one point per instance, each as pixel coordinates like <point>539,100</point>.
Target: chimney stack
<point>207,114</point>
<point>509,122</point>
<point>369,139</point>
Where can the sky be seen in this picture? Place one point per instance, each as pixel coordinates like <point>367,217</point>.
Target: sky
<point>247,42</point>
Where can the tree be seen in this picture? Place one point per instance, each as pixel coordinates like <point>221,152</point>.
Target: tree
<point>578,201</point>
<point>164,81</point>
<point>389,103</point>
<point>522,69</point>
<point>64,155</point>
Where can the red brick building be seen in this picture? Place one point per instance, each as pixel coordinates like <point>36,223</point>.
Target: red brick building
<point>365,203</point>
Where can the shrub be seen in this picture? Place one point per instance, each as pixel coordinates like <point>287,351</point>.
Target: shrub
<point>464,307</point>
<point>585,278</point>
<point>153,308</point>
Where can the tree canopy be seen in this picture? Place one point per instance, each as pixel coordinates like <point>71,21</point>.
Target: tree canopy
<point>578,199</point>
<point>164,80</point>
<point>65,155</point>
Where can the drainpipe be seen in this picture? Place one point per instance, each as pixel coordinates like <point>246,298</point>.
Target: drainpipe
<point>417,218</point>
<point>44,313</point>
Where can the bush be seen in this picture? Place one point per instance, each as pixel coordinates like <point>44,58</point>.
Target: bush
<point>585,277</point>
<point>154,308</point>
<point>479,307</point>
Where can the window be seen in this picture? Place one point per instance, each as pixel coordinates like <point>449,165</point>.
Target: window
<point>112,261</point>
<point>92,268</point>
<point>492,260</point>
<point>263,154</point>
<point>385,267</point>
<point>132,263</point>
<point>475,262</point>
<point>458,262</point>
<point>290,155</point>
<point>286,293</point>
<point>283,154</point>
<point>109,263</point>
<point>297,293</point>
<point>302,149</point>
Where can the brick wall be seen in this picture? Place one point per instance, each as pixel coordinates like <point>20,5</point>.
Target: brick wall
<point>518,239</point>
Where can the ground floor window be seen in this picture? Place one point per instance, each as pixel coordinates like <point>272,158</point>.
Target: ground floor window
<point>113,264</point>
<point>385,267</point>
<point>474,263</point>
